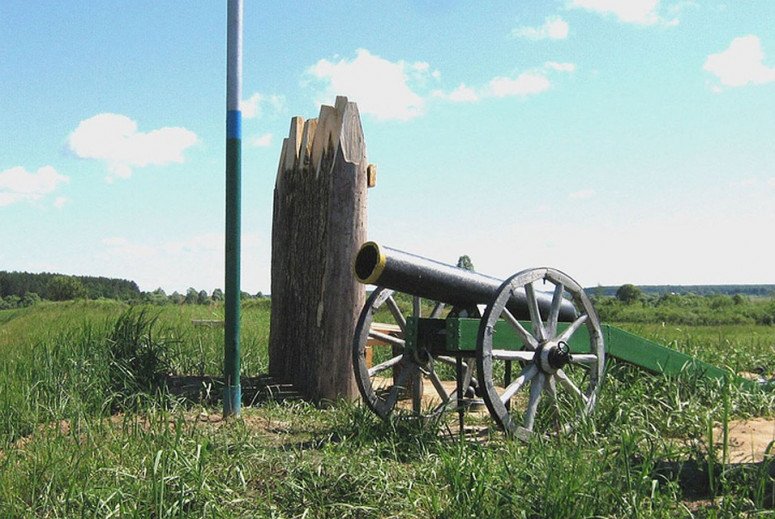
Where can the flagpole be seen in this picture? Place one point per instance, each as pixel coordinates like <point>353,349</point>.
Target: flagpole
<point>232,393</point>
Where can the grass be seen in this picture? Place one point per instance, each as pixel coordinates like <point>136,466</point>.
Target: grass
<point>88,430</point>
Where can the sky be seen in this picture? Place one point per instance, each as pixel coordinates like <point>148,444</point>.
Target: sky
<point>620,142</point>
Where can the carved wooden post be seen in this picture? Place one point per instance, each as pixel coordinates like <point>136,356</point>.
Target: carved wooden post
<point>319,223</point>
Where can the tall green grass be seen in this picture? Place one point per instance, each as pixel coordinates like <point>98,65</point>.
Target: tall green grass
<point>87,430</point>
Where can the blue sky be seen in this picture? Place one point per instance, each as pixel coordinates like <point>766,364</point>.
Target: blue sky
<point>622,142</point>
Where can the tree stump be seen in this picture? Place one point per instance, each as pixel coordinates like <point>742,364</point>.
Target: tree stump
<point>319,222</point>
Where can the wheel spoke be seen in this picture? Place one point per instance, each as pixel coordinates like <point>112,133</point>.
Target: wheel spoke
<point>385,337</point>
<point>566,335</point>
<point>525,356</point>
<point>527,374</point>
<point>527,338</point>
<point>417,392</point>
<point>437,310</point>
<point>448,360</point>
<point>392,399</point>
<point>583,358</point>
<point>554,313</point>
<point>382,366</point>
<point>570,386</point>
<point>396,312</point>
<point>536,388</point>
<point>437,384</point>
<point>535,313</point>
<point>551,388</point>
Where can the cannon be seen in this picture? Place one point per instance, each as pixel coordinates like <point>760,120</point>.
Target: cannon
<point>503,343</point>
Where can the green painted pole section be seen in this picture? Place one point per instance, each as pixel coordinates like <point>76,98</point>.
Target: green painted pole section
<point>232,392</point>
<point>232,397</point>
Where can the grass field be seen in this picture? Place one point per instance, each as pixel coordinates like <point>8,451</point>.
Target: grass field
<point>88,430</point>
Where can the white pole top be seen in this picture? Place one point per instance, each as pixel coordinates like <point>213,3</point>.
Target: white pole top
<point>234,55</point>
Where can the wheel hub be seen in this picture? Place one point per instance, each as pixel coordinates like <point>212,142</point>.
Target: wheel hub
<point>552,356</point>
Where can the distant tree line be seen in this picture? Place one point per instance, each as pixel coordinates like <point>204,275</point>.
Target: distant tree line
<point>25,288</point>
<point>191,297</point>
<point>699,290</point>
<point>21,289</point>
<point>631,303</point>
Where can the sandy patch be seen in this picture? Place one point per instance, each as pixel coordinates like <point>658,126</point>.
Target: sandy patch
<point>750,441</point>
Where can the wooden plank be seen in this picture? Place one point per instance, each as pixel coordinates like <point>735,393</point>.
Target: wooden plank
<point>207,322</point>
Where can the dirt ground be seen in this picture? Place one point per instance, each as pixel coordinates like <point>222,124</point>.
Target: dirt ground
<point>750,441</point>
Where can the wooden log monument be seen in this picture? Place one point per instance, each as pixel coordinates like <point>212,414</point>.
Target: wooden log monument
<point>319,222</point>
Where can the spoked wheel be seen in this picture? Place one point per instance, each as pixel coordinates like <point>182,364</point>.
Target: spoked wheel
<point>564,361</point>
<point>392,378</point>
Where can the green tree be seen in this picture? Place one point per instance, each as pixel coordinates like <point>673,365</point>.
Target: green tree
<point>217,295</point>
<point>64,288</point>
<point>464,262</point>
<point>177,298</point>
<point>30,298</point>
<point>157,297</point>
<point>629,294</point>
<point>192,296</point>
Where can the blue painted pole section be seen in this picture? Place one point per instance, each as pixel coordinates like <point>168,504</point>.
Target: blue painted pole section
<point>232,392</point>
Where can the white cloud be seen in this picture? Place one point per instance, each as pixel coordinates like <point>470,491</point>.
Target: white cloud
<point>60,201</point>
<point>641,12</point>
<point>530,82</point>
<point>746,182</point>
<point>261,141</point>
<point>119,246</point>
<point>525,84</point>
<point>115,140</point>
<point>254,106</point>
<point>742,63</point>
<point>250,106</point>
<point>209,242</point>
<point>583,194</point>
<point>196,261</point>
<point>462,93</point>
<point>554,28</point>
<point>17,184</point>
<point>561,67</point>
<point>381,88</point>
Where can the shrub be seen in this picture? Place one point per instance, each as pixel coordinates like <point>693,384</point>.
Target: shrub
<point>138,360</point>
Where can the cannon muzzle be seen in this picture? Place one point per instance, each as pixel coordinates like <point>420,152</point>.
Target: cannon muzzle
<point>429,279</point>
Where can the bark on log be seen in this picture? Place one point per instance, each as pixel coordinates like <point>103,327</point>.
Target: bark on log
<point>319,222</point>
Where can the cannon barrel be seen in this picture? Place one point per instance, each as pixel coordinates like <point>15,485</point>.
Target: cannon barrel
<point>423,277</point>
